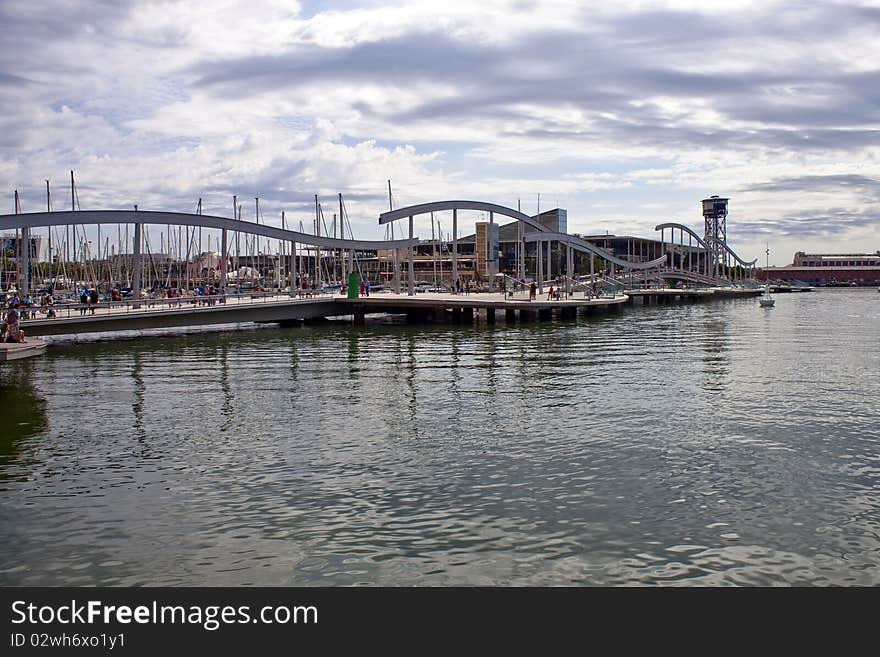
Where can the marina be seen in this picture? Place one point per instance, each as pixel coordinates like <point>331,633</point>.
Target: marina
<point>315,276</point>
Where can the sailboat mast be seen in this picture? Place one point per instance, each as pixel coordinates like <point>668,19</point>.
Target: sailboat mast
<point>49,209</point>
<point>317,248</point>
<point>73,209</point>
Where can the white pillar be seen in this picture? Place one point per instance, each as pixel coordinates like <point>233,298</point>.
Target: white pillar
<point>493,256</point>
<point>224,255</point>
<point>539,268</point>
<point>454,246</point>
<point>136,263</point>
<point>549,266</point>
<point>412,263</point>
<point>569,266</point>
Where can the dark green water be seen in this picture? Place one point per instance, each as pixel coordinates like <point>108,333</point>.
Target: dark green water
<point>706,444</point>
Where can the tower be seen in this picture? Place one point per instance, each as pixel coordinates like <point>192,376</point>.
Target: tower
<point>715,233</point>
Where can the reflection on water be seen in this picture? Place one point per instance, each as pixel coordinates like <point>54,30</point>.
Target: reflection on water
<point>712,443</point>
<point>23,411</point>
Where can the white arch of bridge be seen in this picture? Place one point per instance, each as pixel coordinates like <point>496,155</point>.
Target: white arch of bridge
<point>89,217</point>
<point>456,205</point>
<point>140,218</point>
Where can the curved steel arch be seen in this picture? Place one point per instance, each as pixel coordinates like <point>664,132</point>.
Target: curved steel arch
<point>439,206</point>
<point>733,253</point>
<point>63,218</point>
<point>583,245</point>
<point>686,229</point>
<point>703,243</point>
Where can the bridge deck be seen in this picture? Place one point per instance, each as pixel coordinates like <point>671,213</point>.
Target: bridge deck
<point>671,291</point>
<point>483,300</point>
<point>148,314</point>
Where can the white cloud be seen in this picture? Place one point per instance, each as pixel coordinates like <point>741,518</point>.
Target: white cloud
<point>626,112</point>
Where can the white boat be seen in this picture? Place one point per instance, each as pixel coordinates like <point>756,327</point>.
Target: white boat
<point>16,350</point>
<point>765,299</point>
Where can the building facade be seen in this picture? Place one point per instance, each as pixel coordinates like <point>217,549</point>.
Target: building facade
<point>828,269</point>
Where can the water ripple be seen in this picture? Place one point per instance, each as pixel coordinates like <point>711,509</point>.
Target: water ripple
<point>707,444</point>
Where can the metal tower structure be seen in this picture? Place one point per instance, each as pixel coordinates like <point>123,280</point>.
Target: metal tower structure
<point>715,234</point>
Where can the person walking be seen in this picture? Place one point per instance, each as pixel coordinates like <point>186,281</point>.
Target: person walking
<point>533,291</point>
<point>93,300</point>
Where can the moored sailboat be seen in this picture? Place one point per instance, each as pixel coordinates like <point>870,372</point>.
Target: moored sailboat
<point>765,300</point>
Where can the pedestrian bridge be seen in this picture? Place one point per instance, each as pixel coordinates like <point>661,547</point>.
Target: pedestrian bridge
<point>289,310</point>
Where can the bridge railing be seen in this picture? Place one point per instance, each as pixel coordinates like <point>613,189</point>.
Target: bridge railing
<point>604,286</point>
<point>191,303</point>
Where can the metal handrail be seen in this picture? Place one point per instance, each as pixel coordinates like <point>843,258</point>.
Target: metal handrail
<point>192,303</point>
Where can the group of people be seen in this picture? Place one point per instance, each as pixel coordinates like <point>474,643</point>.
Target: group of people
<point>202,295</point>
<point>88,299</point>
<point>458,287</point>
<point>209,295</point>
<point>25,308</point>
<point>23,303</point>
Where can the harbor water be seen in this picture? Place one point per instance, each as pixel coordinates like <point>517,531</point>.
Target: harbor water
<point>691,444</point>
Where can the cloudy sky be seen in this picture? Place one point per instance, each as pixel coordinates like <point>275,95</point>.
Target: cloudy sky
<point>625,113</point>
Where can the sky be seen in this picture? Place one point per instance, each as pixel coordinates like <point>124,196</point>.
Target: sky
<point>625,113</point>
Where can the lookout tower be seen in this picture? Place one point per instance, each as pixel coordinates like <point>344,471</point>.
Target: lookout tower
<point>715,233</point>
